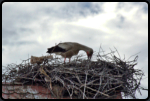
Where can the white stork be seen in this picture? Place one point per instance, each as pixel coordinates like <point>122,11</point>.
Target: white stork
<point>68,49</point>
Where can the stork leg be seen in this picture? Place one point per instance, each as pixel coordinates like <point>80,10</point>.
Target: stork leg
<point>69,60</point>
<point>64,59</point>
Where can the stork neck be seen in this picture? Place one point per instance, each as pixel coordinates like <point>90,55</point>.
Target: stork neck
<point>85,48</point>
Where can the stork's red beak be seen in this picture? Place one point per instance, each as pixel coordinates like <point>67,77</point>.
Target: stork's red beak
<point>89,56</point>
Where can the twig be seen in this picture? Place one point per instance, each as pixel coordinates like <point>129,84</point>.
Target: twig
<point>85,84</point>
<point>97,91</point>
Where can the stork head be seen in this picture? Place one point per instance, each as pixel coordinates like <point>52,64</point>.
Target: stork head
<point>89,53</point>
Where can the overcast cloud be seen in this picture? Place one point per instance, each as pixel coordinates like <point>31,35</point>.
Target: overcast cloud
<point>31,28</point>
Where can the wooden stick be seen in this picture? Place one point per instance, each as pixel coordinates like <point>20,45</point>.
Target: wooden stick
<point>98,91</point>
<point>85,83</point>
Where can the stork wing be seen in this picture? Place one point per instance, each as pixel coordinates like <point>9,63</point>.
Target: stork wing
<point>66,46</point>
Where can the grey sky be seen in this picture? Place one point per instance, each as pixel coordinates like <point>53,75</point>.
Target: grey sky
<point>31,28</point>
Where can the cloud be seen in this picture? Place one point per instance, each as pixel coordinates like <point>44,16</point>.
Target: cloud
<point>41,17</point>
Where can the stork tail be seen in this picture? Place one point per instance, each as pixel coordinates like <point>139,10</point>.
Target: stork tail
<point>55,49</point>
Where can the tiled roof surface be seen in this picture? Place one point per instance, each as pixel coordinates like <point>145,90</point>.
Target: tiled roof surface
<point>25,92</point>
<point>18,91</point>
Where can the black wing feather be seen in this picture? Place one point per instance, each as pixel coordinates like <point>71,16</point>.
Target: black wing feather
<point>55,49</point>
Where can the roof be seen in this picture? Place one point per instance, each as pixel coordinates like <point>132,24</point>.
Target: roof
<point>18,91</point>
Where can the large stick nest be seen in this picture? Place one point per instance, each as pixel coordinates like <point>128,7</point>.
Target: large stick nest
<point>80,78</point>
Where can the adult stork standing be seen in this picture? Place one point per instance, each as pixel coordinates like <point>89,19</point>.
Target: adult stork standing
<point>68,49</point>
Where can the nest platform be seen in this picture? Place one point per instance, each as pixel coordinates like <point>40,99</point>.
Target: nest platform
<point>80,78</point>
